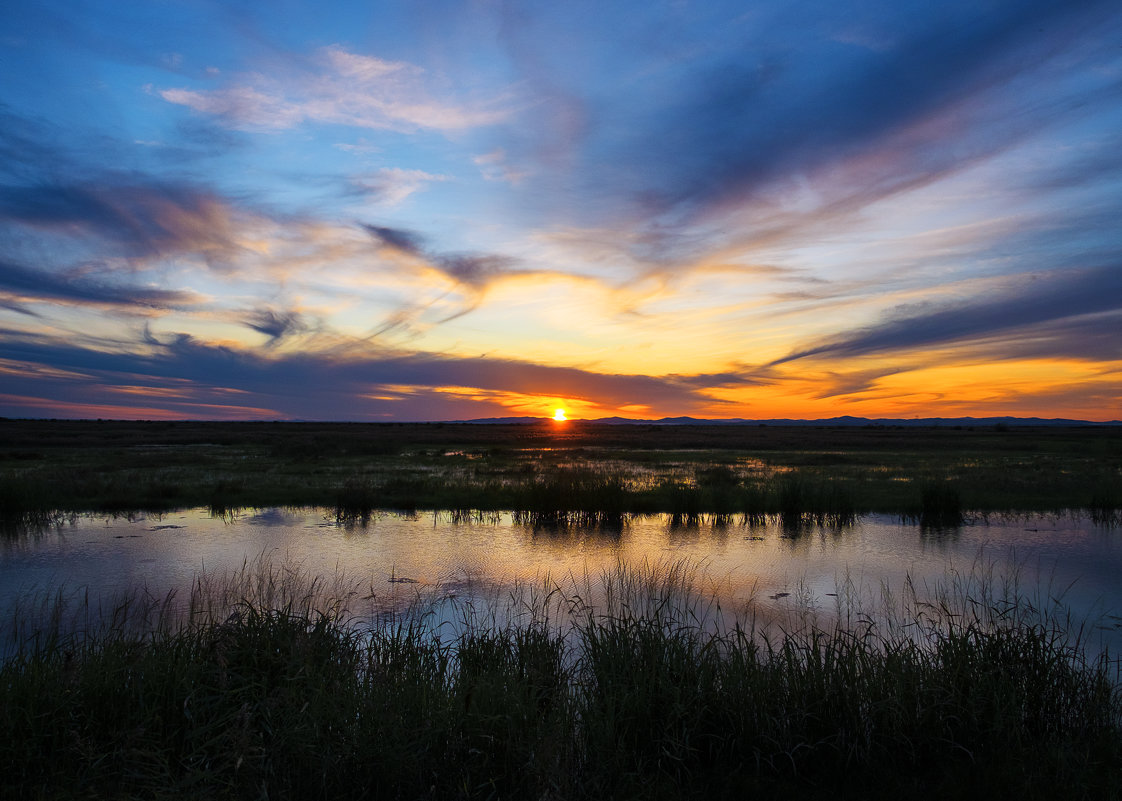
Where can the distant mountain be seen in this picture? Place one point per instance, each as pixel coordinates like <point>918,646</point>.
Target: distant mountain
<point>920,422</point>
<point>924,422</point>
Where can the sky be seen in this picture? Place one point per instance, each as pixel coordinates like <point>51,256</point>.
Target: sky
<point>431,210</point>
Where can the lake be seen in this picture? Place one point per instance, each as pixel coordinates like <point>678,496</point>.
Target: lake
<point>394,558</point>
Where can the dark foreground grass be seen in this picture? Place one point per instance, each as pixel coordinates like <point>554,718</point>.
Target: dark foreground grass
<point>640,697</point>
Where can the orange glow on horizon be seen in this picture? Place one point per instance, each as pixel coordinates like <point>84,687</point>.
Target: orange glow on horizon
<point>1068,388</point>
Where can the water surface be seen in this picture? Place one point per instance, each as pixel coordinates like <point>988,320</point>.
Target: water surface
<point>1065,559</point>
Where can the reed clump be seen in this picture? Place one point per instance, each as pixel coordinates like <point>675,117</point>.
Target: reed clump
<point>939,506</point>
<point>632,685</point>
<point>801,502</point>
<point>576,497</point>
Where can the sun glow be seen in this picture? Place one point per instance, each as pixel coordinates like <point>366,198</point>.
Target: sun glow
<point>559,415</point>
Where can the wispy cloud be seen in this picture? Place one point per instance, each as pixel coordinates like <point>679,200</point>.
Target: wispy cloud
<point>494,166</point>
<point>475,271</point>
<point>345,88</point>
<point>30,285</point>
<point>275,324</point>
<point>769,138</point>
<point>141,218</point>
<point>392,185</point>
<point>399,239</point>
<point>1017,312</point>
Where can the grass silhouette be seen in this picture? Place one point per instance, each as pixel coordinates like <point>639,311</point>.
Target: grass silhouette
<point>631,684</point>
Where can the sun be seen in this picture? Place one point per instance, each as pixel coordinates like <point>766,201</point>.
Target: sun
<point>559,415</point>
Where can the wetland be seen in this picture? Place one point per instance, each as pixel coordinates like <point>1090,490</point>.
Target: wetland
<point>562,470</point>
<point>558,611</point>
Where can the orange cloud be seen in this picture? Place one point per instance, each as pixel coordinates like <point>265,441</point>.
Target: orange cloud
<point>527,405</point>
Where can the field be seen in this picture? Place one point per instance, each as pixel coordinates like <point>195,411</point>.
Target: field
<point>551,473</point>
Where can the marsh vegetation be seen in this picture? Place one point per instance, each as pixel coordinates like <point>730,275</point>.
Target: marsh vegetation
<point>551,473</point>
<point>269,683</point>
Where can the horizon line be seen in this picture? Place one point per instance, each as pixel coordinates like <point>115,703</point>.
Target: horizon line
<point>684,420</point>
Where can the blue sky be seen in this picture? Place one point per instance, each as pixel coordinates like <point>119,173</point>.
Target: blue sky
<point>412,211</point>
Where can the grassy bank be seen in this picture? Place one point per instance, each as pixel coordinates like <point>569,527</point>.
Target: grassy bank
<point>550,473</point>
<point>653,692</point>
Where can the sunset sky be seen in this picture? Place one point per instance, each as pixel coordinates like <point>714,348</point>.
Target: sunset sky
<point>451,210</point>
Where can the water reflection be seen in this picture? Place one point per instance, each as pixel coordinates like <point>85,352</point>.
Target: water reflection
<point>561,538</point>
<point>940,534</point>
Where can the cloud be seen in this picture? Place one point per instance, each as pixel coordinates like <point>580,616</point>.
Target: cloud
<point>240,106</point>
<point>346,89</point>
<point>332,384</point>
<point>398,239</point>
<point>24,147</point>
<point>362,147</point>
<point>472,270</point>
<point>747,126</point>
<point>88,408</point>
<point>494,166</point>
<point>143,217</point>
<point>476,271</point>
<point>17,308</point>
<point>774,134</point>
<point>858,382</point>
<point>81,219</point>
<point>1092,338</point>
<point>393,185</point>
<point>275,324</point>
<point>34,285</point>
<point>1023,315</point>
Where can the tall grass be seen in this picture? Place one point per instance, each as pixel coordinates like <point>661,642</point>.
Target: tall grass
<point>633,684</point>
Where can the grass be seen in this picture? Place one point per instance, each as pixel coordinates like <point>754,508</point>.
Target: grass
<point>557,474</point>
<point>634,684</point>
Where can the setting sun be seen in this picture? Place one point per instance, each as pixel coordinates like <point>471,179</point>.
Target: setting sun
<point>559,415</point>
